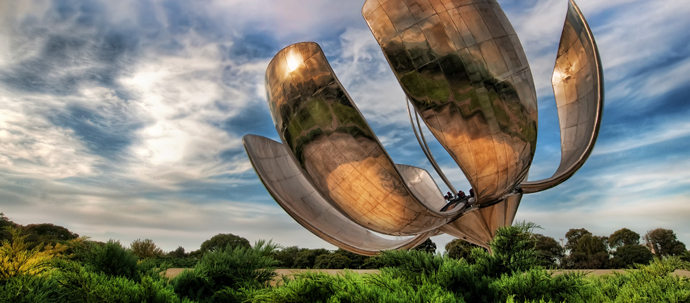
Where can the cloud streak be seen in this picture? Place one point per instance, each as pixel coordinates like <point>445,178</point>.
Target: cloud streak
<point>124,119</point>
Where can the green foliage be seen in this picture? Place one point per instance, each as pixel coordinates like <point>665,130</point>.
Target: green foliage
<point>628,255</point>
<point>50,231</point>
<point>550,251</point>
<point>17,259</point>
<point>427,246</point>
<point>652,283</point>
<point>332,261</point>
<point>306,258</point>
<point>351,287</point>
<point>587,251</point>
<point>234,268</point>
<point>623,237</point>
<point>80,284</point>
<point>29,289</point>
<point>286,256</point>
<point>537,285</point>
<point>112,259</point>
<point>222,241</point>
<point>663,243</point>
<point>513,272</point>
<point>356,261</point>
<point>460,249</point>
<point>178,253</point>
<point>573,235</point>
<point>174,262</point>
<point>686,256</point>
<point>513,251</point>
<point>145,249</point>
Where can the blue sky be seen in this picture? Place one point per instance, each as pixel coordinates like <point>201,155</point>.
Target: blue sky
<point>123,119</point>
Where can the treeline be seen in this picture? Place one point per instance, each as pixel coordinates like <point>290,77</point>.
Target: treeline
<point>583,250</point>
<point>77,270</point>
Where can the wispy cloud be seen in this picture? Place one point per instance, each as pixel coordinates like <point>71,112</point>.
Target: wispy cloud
<point>124,119</point>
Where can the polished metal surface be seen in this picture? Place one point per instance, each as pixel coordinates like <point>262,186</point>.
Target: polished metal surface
<point>337,150</point>
<point>479,224</point>
<point>462,66</point>
<point>464,71</point>
<point>578,83</point>
<point>289,187</point>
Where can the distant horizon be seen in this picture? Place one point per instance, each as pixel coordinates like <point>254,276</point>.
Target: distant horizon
<point>124,120</point>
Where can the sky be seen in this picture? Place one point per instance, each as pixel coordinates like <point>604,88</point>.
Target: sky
<point>123,119</point>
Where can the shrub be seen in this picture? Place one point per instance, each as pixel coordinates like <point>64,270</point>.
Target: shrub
<point>651,283</point>
<point>16,259</point>
<point>145,249</point>
<point>79,284</point>
<point>460,249</point>
<point>174,262</point>
<point>221,241</point>
<point>29,289</point>
<point>112,259</point>
<point>233,268</point>
<point>351,287</point>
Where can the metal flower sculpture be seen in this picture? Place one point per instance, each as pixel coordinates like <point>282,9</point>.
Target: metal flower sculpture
<point>466,75</point>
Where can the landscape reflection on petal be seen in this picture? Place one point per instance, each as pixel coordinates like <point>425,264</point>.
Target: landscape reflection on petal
<point>462,67</point>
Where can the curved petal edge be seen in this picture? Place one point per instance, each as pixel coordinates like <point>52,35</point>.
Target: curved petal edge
<point>578,84</point>
<point>293,192</point>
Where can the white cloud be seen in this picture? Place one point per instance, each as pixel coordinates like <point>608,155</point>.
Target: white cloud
<point>651,136</point>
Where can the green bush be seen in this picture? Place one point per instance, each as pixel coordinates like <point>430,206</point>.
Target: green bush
<point>233,268</point>
<point>652,283</point>
<point>30,289</point>
<point>79,284</point>
<point>351,287</point>
<point>112,259</point>
<point>174,262</point>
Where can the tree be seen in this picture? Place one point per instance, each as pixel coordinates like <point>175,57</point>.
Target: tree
<point>5,222</point>
<point>587,251</point>
<point>306,258</point>
<point>221,241</point>
<point>628,255</point>
<point>460,249</point>
<point>286,256</point>
<point>146,249</point>
<point>356,261</point>
<point>663,243</point>
<point>427,246</point>
<point>573,235</point>
<point>623,237</point>
<point>50,231</point>
<point>550,251</point>
<point>332,261</point>
<point>178,253</point>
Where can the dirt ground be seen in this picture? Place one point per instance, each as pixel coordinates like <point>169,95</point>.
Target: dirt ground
<point>173,272</point>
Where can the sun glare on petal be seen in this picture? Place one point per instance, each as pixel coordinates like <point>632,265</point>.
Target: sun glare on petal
<point>294,60</point>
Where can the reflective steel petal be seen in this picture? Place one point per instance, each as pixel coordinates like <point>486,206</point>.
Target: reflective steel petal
<point>464,69</point>
<point>337,150</point>
<point>289,187</point>
<point>479,225</point>
<point>578,83</point>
